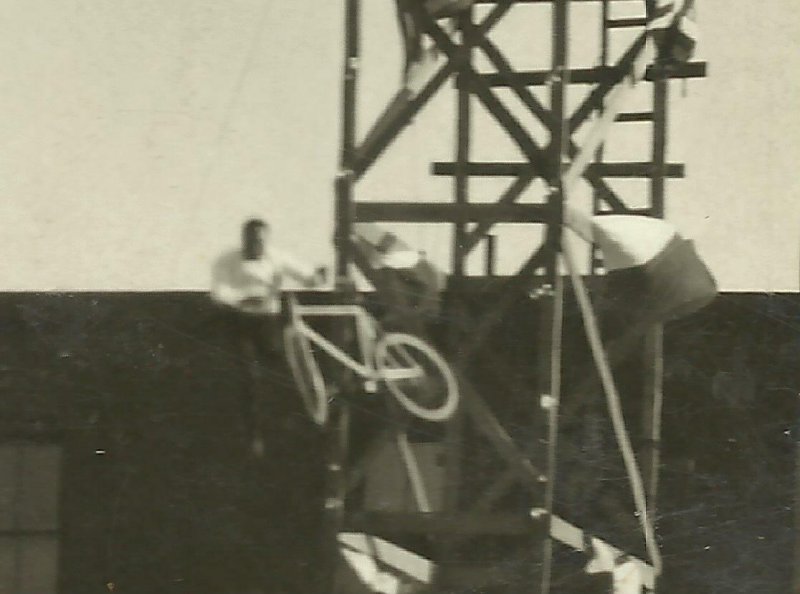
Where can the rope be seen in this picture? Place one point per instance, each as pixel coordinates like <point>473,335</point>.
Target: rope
<point>615,409</point>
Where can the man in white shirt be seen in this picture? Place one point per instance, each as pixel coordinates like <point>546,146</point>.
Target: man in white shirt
<point>247,282</point>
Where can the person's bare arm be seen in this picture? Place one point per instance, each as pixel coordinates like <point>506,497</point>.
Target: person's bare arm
<point>301,272</point>
<point>221,292</point>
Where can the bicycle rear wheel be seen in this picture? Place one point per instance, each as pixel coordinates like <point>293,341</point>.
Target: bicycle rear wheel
<point>417,376</point>
<point>307,375</point>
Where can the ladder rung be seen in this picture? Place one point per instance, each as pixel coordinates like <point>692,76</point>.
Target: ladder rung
<point>645,212</point>
<point>638,116</point>
<point>626,23</point>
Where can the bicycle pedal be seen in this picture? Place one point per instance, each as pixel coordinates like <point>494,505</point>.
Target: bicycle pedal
<point>370,386</point>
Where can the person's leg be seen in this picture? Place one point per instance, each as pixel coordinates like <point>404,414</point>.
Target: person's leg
<point>265,407</point>
<point>247,353</point>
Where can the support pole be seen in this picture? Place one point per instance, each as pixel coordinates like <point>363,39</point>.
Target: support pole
<point>552,303</point>
<point>337,432</point>
<point>336,446</point>
<point>654,341</point>
<point>455,431</point>
<point>463,139</point>
<point>344,181</point>
<point>595,258</point>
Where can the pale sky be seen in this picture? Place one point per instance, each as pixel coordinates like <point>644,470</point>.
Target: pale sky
<point>137,134</point>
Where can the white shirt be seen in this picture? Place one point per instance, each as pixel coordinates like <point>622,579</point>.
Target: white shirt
<point>234,279</point>
<point>628,240</point>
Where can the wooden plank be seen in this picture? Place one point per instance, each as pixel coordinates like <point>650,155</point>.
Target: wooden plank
<point>637,116</point>
<point>598,74</point>
<point>446,212</point>
<point>626,23</point>
<point>633,169</point>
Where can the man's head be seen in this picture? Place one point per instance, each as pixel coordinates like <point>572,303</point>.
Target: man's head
<point>255,239</point>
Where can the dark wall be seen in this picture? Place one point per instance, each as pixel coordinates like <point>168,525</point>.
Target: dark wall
<point>176,505</point>
<point>732,382</point>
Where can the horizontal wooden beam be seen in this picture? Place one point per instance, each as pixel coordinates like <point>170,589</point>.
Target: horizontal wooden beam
<point>638,170</point>
<point>449,523</point>
<point>626,23</point>
<point>447,212</point>
<point>636,116</point>
<point>514,169</point>
<point>598,74</point>
<point>645,212</point>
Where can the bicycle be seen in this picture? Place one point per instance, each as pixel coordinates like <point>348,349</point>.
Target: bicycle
<point>413,371</point>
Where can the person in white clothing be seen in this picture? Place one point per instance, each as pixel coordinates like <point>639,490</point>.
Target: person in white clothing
<point>654,274</point>
<point>249,278</point>
<point>247,282</point>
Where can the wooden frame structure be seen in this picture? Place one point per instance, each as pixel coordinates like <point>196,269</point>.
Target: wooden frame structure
<point>471,223</point>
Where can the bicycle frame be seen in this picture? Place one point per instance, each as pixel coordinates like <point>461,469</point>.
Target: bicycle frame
<point>366,332</point>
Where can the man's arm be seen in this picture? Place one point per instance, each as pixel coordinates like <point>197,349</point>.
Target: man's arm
<point>221,292</point>
<point>300,271</point>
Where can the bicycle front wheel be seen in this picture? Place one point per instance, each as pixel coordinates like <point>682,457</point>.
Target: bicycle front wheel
<point>417,376</point>
<point>307,375</point>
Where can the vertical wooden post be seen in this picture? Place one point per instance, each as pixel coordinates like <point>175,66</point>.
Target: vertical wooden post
<point>653,351</point>
<point>797,507</point>
<point>344,181</point>
<point>336,447</point>
<point>552,303</point>
<point>796,588</point>
<point>595,258</point>
<point>454,436</point>
<point>337,431</point>
<point>491,254</point>
<point>463,141</point>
